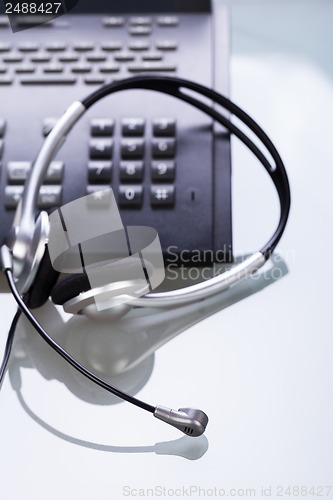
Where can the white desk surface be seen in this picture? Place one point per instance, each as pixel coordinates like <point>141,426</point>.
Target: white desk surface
<point>260,367</point>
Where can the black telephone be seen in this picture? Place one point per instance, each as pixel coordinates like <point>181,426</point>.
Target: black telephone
<point>168,164</point>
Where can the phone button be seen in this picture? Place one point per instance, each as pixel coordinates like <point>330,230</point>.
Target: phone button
<point>132,148</point>
<point>161,196</point>
<point>133,126</point>
<point>130,196</point>
<point>164,127</point>
<point>163,171</point>
<point>18,171</point>
<point>12,196</point>
<point>131,171</point>
<point>102,127</point>
<point>49,196</point>
<point>164,148</point>
<point>101,149</point>
<point>99,172</point>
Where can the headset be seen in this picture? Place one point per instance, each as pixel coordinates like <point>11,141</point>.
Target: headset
<point>25,259</point>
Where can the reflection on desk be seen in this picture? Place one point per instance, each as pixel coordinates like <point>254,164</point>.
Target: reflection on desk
<point>122,353</point>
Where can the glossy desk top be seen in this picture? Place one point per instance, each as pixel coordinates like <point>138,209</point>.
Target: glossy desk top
<point>257,359</point>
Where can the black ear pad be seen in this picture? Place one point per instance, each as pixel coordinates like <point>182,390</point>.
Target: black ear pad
<point>43,284</point>
<point>71,285</point>
<point>68,287</point>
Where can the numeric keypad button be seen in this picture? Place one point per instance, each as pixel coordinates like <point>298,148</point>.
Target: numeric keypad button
<point>131,171</point>
<point>100,149</point>
<point>162,196</point>
<point>163,171</point>
<point>132,148</point>
<point>130,196</point>
<point>164,148</point>
<point>164,127</point>
<point>102,127</point>
<point>99,172</point>
<point>133,127</point>
<point>100,196</point>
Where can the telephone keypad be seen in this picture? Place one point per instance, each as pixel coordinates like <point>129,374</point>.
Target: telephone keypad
<point>141,144</point>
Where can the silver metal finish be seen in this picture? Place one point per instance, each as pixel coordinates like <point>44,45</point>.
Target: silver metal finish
<point>28,270</point>
<point>22,235</point>
<point>191,421</point>
<point>205,289</point>
<point>117,295</point>
<point>124,292</point>
<point>6,261</point>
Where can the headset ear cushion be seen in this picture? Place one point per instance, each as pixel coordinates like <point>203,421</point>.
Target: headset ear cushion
<point>43,284</point>
<point>68,287</point>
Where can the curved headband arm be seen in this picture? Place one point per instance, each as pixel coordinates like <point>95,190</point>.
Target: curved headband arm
<point>25,216</point>
<point>175,87</point>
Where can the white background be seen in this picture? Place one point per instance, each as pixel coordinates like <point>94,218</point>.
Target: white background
<point>261,368</point>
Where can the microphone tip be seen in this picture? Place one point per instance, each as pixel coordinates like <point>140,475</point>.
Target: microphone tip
<point>199,421</point>
<point>190,421</point>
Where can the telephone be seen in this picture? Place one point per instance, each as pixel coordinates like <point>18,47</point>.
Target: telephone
<point>168,164</point>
